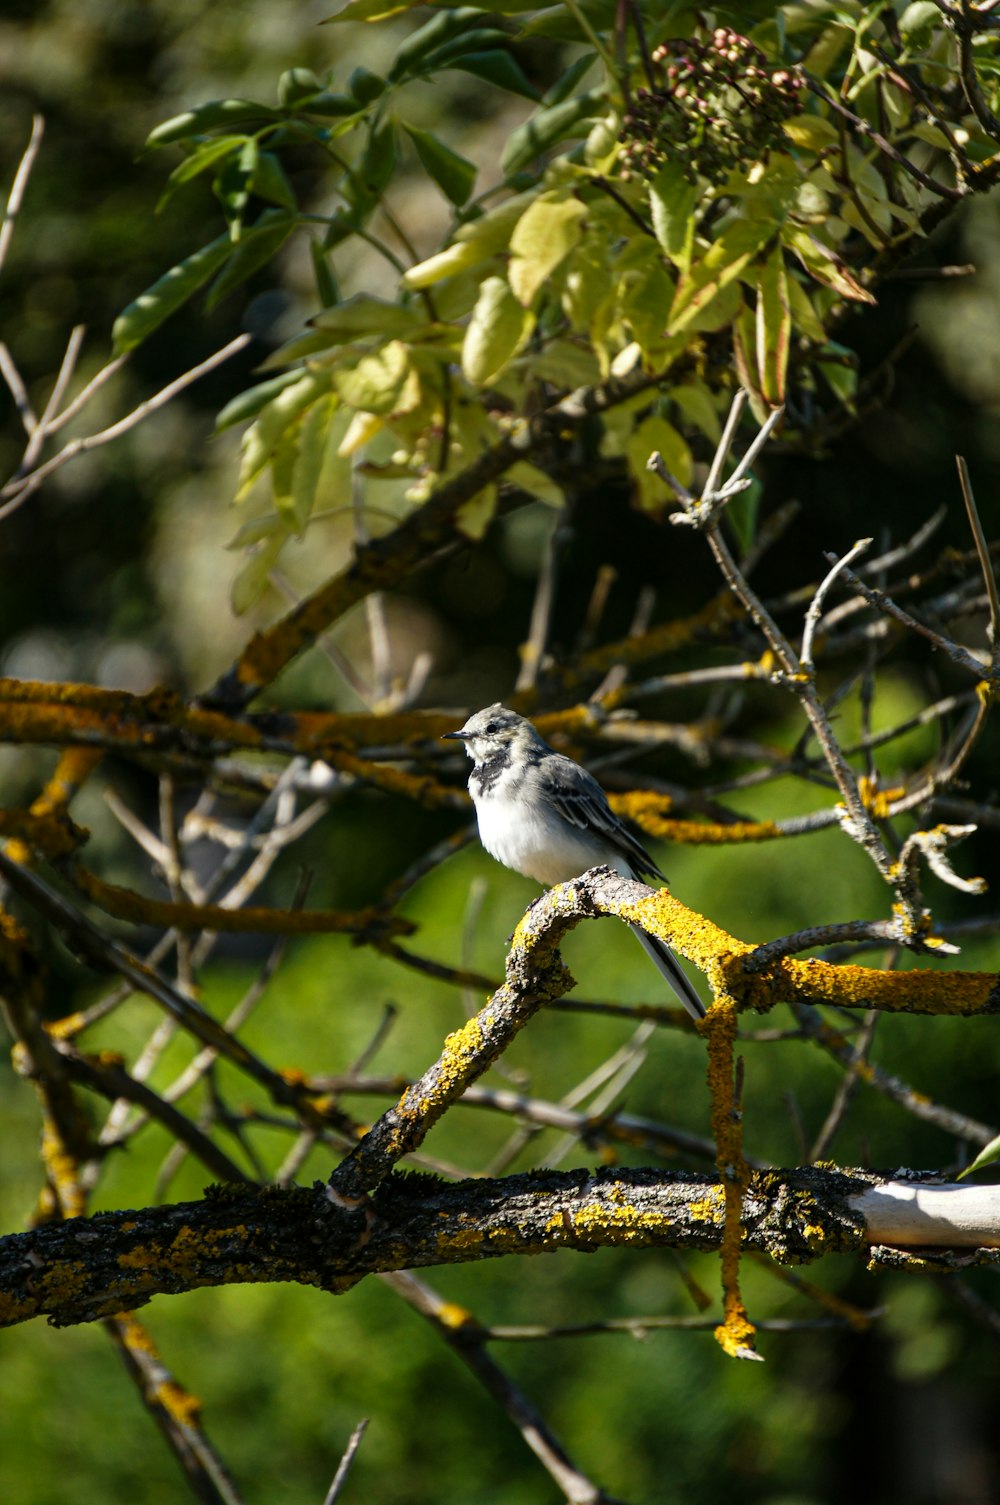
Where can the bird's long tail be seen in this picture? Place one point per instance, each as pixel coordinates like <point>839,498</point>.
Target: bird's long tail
<point>667,964</point>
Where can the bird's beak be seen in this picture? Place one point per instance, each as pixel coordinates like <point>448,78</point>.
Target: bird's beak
<point>452,736</point>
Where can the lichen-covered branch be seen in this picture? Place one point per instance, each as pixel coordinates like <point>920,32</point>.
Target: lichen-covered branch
<point>88,1268</point>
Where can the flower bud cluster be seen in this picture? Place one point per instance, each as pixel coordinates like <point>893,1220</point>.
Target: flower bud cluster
<point>717,107</point>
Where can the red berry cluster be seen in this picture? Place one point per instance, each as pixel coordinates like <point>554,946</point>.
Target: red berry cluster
<point>717,108</point>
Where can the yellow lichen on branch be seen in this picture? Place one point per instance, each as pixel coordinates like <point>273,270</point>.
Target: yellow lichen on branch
<point>736,1332</point>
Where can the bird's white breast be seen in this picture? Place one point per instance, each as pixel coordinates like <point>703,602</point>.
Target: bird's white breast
<point>517,828</point>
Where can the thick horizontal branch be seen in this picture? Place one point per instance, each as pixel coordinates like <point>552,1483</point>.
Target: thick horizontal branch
<point>88,1268</point>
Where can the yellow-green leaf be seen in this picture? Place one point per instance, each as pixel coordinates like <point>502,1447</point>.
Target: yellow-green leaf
<point>646,296</point>
<point>655,433</point>
<point>804,316</point>
<point>774,327</point>
<point>255,572</point>
<point>376,381</point>
<point>813,132</point>
<point>498,328</point>
<point>475,515</point>
<point>263,437</point>
<point>671,203</point>
<point>721,264</point>
<point>696,402</point>
<point>543,237</point>
<point>826,267</point>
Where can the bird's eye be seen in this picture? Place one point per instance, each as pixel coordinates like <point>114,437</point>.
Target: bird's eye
<point>492,727</point>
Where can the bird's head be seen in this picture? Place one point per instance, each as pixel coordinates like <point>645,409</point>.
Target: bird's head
<point>493,730</point>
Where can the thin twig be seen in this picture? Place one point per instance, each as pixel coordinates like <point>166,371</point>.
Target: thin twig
<point>20,183</point>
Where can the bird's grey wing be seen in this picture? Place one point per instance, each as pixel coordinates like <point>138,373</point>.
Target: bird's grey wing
<point>579,798</point>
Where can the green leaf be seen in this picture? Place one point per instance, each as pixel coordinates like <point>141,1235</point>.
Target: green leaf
<point>671,203</point>
<point>249,403</point>
<point>270,182</point>
<point>725,259</point>
<point>547,126</point>
<point>147,312</point>
<point>564,86</point>
<point>255,249</point>
<point>297,85</point>
<point>263,438</point>
<point>371,10</point>
<point>646,293</point>
<point>254,574</point>
<point>208,117</point>
<point>498,328</point>
<point>202,158</point>
<point>544,235</point>
<point>480,39</point>
<point>256,528</point>
<point>234,185</point>
<point>475,515</point>
<point>332,105</point>
<point>497,67</point>
<point>697,404</point>
<point>363,315</point>
<point>309,459</point>
<point>774,327</point>
<point>376,381</point>
<point>476,241</point>
<point>537,483</point>
<point>812,132</point>
<point>990,1152</point>
<point>826,267</point>
<point>655,433</point>
<point>378,162</point>
<point>452,173</point>
<point>440,29</point>
<point>326,282</point>
<point>804,316</point>
<point>447,263</point>
<point>365,85</point>
<point>745,360</point>
<point>839,369</point>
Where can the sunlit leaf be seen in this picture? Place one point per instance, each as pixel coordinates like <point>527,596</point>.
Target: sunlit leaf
<point>498,328</point>
<point>671,203</point>
<point>544,235</point>
<point>655,433</point>
<point>249,403</point>
<point>375,382</point>
<point>774,327</point>
<point>725,259</point>
<point>363,315</point>
<point>990,1152</point>
<point>262,438</point>
<point>826,266</point>
<point>475,515</point>
<point>209,117</point>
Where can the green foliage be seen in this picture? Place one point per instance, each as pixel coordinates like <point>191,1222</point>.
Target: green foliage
<point>707,201</point>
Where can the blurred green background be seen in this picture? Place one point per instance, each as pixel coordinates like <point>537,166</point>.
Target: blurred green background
<point>116,573</point>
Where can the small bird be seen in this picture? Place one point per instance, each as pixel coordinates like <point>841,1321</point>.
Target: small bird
<point>549,819</point>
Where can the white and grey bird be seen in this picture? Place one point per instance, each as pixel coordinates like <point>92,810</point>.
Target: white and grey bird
<point>549,819</point>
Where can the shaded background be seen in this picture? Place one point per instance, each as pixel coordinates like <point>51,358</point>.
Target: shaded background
<point>116,573</point>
